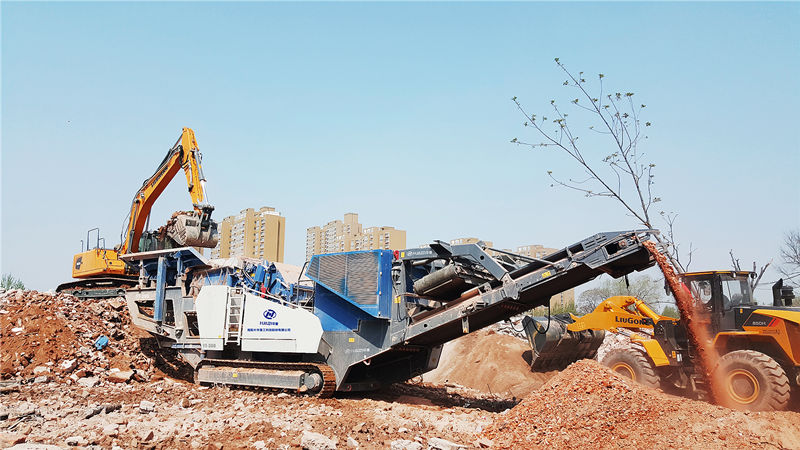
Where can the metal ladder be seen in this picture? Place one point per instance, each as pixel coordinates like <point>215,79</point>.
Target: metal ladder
<point>233,320</point>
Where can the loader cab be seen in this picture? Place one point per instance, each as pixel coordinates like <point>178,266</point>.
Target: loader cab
<point>720,293</point>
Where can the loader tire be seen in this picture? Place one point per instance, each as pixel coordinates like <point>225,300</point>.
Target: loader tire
<point>634,364</point>
<point>752,381</point>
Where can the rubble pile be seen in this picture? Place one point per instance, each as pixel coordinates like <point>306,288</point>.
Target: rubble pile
<point>587,405</point>
<point>58,337</point>
<point>490,363</point>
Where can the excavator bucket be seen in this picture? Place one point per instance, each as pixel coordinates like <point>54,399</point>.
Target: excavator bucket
<point>188,229</point>
<point>555,347</point>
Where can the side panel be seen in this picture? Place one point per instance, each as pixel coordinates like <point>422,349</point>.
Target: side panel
<point>770,327</point>
<point>211,305</point>
<point>269,326</point>
<point>337,314</point>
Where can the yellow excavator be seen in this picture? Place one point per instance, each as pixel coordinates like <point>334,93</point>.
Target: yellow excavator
<point>758,346</point>
<point>101,273</point>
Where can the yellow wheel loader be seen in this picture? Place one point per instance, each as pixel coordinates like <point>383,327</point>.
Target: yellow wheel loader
<point>758,346</point>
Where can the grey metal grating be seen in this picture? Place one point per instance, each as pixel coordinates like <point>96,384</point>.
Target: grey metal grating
<point>353,275</point>
<point>332,270</point>
<point>362,277</point>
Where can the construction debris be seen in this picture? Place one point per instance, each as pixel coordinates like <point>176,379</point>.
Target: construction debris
<point>589,406</point>
<point>53,337</point>
<point>153,415</point>
<point>489,363</point>
<point>122,396</point>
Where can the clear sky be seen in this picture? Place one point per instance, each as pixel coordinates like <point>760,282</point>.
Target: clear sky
<point>399,112</point>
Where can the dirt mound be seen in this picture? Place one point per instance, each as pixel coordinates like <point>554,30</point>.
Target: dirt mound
<point>488,362</point>
<point>52,337</point>
<point>588,405</point>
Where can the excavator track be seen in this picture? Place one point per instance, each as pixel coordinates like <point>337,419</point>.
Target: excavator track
<point>327,373</point>
<point>103,287</point>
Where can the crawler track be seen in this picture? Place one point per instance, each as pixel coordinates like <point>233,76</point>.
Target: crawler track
<point>98,287</point>
<point>328,376</point>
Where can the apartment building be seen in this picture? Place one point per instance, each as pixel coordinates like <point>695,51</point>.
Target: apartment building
<point>349,235</point>
<point>469,240</point>
<point>252,234</point>
<point>535,250</point>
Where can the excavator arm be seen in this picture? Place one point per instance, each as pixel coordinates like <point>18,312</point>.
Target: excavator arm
<point>194,229</point>
<point>191,162</point>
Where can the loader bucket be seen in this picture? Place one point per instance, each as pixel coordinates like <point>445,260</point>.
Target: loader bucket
<point>187,230</point>
<point>554,347</point>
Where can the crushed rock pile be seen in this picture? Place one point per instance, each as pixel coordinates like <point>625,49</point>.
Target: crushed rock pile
<point>588,405</point>
<point>50,337</point>
<point>490,363</point>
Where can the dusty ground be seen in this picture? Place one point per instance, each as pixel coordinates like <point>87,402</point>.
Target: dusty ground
<point>59,390</point>
<point>188,416</point>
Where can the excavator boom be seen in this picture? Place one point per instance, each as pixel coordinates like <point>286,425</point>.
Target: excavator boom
<point>193,229</point>
<point>100,271</point>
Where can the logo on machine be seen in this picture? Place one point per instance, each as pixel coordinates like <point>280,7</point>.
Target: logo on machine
<point>631,321</point>
<point>78,262</point>
<point>270,314</point>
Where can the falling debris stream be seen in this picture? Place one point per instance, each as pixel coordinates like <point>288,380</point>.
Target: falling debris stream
<point>697,325</point>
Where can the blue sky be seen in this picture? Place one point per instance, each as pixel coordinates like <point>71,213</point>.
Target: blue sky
<point>399,112</point>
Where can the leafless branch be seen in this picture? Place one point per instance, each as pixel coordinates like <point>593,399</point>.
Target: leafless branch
<point>735,262</point>
<point>754,283</point>
<point>625,178</point>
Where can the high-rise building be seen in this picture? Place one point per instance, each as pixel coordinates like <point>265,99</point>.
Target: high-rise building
<point>535,250</point>
<point>348,235</point>
<point>469,240</point>
<point>252,234</point>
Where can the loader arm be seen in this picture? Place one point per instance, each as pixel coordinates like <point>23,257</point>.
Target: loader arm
<point>184,154</point>
<point>614,313</point>
<point>560,340</point>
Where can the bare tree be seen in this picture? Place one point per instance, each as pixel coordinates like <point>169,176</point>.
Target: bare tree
<point>790,254</point>
<point>753,281</point>
<point>622,174</point>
